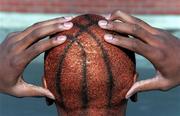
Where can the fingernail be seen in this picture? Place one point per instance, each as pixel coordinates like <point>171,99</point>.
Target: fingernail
<point>103,23</point>
<point>108,16</point>
<point>68,25</point>
<point>108,37</point>
<point>61,39</point>
<point>127,96</point>
<point>51,96</point>
<point>68,17</point>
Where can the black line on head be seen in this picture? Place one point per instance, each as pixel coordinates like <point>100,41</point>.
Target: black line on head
<point>84,90</point>
<point>58,74</point>
<point>84,70</point>
<point>84,28</point>
<point>105,57</point>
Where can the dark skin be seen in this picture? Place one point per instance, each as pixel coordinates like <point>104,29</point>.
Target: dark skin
<point>159,46</point>
<point>20,48</point>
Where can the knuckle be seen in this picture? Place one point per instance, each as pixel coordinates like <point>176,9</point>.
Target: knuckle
<point>11,34</point>
<point>136,29</point>
<point>10,40</point>
<point>38,48</point>
<point>11,48</point>
<point>16,62</point>
<point>56,27</point>
<point>137,21</point>
<point>159,30</point>
<point>162,42</point>
<point>5,45</point>
<point>51,42</point>
<point>41,32</point>
<point>113,26</point>
<point>117,12</point>
<point>163,32</point>
<point>134,44</point>
<point>13,62</point>
<point>35,34</point>
<point>36,25</point>
<point>160,38</point>
<point>160,55</point>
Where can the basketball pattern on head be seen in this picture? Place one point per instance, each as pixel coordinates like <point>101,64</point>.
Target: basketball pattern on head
<point>86,31</point>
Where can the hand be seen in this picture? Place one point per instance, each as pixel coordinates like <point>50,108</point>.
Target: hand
<point>20,48</point>
<point>160,47</point>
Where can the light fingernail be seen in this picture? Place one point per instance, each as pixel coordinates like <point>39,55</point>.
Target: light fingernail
<point>127,96</point>
<point>51,96</point>
<point>108,16</point>
<point>103,23</point>
<point>61,39</point>
<point>68,25</point>
<point>68,17</point>
<point>108,37</point>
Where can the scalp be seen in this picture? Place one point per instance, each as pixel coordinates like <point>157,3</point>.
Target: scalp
<point>86,71</point>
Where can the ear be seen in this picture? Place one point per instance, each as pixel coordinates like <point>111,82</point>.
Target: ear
<point>134,97</point>
<point>48,100</point>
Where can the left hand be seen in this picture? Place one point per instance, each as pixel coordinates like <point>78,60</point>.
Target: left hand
<point>159,46</point>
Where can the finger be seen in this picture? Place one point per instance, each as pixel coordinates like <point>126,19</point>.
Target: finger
<point>27,90</point>
<point>38,91</point>
<point>48,101</point>
<point>122,16</point>
<point>43,32</point>
<point>48,22</point>
<point>42,24</point>
<point>131,44</point>
<point>134,97</point>
<point>13,34</point>
<point>42,46</point>
<point>106,16</point>
<point>44,82</point>
<point>145,85</point>
<point>131,29</point>
<point>10,38</point>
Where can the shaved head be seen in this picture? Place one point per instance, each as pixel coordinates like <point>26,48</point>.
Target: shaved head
<point>87,75</point>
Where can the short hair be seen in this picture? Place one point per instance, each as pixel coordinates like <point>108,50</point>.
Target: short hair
<point>86,68</point>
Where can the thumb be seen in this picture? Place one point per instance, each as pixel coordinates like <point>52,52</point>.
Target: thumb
<point>144,85</point>
<point>24,89</point>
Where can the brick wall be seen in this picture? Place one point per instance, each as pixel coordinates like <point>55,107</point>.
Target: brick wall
<point>93,6</point>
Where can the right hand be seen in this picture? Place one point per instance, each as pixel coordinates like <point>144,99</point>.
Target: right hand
<point>20,48</point>
<point>160,47</point>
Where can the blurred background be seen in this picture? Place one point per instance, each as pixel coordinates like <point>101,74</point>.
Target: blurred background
<point>16,15</point>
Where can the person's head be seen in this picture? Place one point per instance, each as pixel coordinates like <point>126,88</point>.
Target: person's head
<point>86,72</point>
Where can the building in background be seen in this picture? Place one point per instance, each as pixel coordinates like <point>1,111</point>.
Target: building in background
<point>93,6</point>
<point>16,15</point>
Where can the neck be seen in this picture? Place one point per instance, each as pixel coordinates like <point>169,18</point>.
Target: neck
<point>117,111</point>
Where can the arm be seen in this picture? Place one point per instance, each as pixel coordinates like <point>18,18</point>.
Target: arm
<point>160,47</point>
<point>20,48</point>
